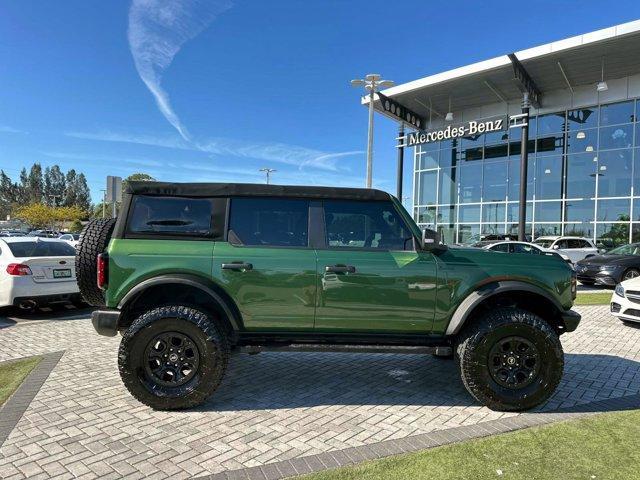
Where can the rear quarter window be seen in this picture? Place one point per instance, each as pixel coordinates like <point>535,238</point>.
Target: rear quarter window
<point>170,216</point>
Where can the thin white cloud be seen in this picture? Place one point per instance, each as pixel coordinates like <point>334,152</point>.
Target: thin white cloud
<point>295,155</point>
<point>7,129</point>
<point>150,140</point>
<point>157,31</point>
<point>143,162</point>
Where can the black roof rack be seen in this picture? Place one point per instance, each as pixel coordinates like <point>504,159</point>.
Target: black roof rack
<point>251,190</point>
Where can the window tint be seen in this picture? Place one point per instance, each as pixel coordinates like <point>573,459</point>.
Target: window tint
<point>521,248</point>
<point>562,244</point>
<point>365,225</point>
<point>171,215</point>
<point>41,249</point>
<point>270,221</point>
<point>501,247</point>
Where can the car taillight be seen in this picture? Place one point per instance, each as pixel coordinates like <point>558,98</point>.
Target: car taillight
<point>18,269</point>
<point>102,271</point>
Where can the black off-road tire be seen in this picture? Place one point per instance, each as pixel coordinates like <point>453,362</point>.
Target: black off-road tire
<point>477,342</point>
<point>93,240</point>
<point>197,326</point>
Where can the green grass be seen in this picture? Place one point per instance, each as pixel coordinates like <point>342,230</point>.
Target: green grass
<point>600,447</point>
<point>600,298</point>
<point>12,374</point>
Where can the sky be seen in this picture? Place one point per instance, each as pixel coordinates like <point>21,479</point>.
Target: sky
<point>214,90</point>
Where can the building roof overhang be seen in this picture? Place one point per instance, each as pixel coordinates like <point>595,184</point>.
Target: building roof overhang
<point>564,64</point>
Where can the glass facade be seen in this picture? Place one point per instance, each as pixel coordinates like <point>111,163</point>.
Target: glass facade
<point>583,178</point>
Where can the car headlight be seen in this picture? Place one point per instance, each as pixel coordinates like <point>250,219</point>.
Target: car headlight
<point>619,290</point>
<point>608,267</point>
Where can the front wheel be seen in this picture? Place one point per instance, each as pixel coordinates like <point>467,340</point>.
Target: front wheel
<point>510,360</point>
<point>631,273</point>
<point>173,357</point>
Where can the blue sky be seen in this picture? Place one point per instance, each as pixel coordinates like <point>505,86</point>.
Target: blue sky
<point>213,90</point>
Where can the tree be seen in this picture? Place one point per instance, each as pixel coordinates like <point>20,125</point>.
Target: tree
<point>7,194</point>
<point>70,192</point>
<point>22,188</point>
<point>83,195</point>
<point>76,226</point>
<point>54,186</point>
<point>39,215</point>
<point>137,177</point>
<point>35,187</point>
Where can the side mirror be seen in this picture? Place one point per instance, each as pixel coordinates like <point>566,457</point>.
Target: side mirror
<point>431,240</point>
<point>556,247</point>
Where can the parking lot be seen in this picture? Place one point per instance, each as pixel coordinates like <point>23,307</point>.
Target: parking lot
<point>271,406</point>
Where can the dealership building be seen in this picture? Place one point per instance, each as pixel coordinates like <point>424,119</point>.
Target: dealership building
<point>464,128</point>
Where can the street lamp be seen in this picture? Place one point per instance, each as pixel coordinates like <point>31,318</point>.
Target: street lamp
<point>268,172</point>
<point>371,83</point>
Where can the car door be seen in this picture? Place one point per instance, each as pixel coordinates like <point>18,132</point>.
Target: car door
<point>562,245</point>
<point>371,278</point>
<point>266,264</point>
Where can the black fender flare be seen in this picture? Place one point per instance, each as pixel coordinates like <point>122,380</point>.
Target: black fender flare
<point>229,308</point>
<point>461,313</point>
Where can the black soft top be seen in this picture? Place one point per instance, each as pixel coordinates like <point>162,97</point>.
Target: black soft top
<point>251,190</point>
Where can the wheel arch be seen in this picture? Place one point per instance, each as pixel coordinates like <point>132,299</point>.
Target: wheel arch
<point>185,288</point>
<point>503,293</point>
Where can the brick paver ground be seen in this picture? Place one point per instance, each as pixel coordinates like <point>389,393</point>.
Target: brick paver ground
<point>270,407</point>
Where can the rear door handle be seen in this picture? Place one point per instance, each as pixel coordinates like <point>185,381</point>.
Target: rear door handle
<point>241,266</point>
<point>340,269</point>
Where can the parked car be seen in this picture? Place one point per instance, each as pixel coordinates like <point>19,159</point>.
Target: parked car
<point>70,238</point>
<point>612,267</point>
<point>35,271</point>
<point>275,267</point>
<point>576,248</point>
<point>12,233</point>
<point>44,233</point>
<point>625,301</point>
<point>482,240</point>
<point>528,248</point>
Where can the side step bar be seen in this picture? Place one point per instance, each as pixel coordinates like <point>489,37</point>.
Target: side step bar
<point>442,351</point>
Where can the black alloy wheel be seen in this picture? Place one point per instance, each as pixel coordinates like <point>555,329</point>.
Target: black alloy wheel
<point>172,359</point>
<point>514,362</point>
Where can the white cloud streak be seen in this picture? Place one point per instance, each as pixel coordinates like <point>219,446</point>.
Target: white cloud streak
<point>157,31</point>
<point>295,155</point>
<point>7,129</point>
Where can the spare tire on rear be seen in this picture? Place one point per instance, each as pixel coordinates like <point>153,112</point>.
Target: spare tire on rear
<point>93,241</point>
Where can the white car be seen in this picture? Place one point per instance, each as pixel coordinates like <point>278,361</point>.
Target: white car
<point>576,248</point>
<point>525,247</point>
<point>37,271</point>
<point>625,301</point>
<point>71,238</point>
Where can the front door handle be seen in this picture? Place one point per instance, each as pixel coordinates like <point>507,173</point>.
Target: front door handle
<point>241,266</point>
<point>340,269</point>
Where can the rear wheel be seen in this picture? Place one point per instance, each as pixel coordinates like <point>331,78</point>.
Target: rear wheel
<point>631,273</point>
<point>510,360</point>
<point>93,241</point>
<point>173,357</point>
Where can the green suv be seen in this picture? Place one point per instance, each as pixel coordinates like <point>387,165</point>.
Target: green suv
<point>192,272</point>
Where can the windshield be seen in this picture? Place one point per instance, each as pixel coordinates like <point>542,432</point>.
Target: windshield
<point>544,242</point>
<point>631,249</point>
<point>41,249</point>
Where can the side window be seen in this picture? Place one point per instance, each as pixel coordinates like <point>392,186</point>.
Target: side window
<point>520,248</point>
<point>574,243</point>
<point>562,244</point>
<point>170,216</point>
<point>501,247</point>
<point>354,224</point>
<point>584,244</point>
<point>279,222</point>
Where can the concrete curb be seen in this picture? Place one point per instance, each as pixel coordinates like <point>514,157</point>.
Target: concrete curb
<point>414,443</point>
<point>17,404</point>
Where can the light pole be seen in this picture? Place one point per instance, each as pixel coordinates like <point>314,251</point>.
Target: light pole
<point>268,172</point>
<point>371,82</point>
